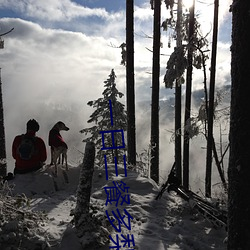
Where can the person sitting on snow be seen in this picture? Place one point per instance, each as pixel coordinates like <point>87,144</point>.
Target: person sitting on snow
<point>29,150</point>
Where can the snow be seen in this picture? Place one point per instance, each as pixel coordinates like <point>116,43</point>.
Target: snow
<point>165,224</point>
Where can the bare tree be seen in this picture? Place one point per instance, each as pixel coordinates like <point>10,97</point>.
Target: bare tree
<point>210,139</point>
<point>84,186</point>
<point>3,162</point>
<point>131,129</point>
<point>154,170</point>
<point>239,160</point>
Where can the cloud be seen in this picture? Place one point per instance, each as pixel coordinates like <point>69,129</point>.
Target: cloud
<point>48,61</point>
<point>53,65</point>
<point>56,10</point>
<point>205,13</point>
<point>47,71</point>
<point>143,12</point>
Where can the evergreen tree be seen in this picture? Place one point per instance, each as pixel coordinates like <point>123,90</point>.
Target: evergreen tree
<point>238,170</point>
<point>101,117</point>
<point>187,110</point>
<point>188,53</point>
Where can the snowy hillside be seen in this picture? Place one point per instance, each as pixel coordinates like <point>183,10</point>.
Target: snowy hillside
<point>165,224</point>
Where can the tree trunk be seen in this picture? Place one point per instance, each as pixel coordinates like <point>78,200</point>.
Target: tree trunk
<point>188,98</point>
<point>83,192</point>
<point>239,159</point>
<point>218,164</point>
<point>3,161</point>
<point>154,169</point>
<point>131,130</point>
<point>178,100</point>
<point>211,102</point>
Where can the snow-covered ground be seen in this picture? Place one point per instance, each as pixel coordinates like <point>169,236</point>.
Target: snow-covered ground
<point>165,224</point>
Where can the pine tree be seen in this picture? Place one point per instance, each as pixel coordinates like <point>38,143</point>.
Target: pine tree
<point>101,117</point>
<point>238,169</point>
<point>188,53</point>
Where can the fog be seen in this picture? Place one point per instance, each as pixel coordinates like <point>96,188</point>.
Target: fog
<point>51,69</point>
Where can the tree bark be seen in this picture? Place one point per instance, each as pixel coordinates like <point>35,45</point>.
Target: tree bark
<point>218,164</point>
<point>131,130</point>
<point>3,161</point>
<point>84,187</point>
<point>239,159</point>
<point>188,97</point>
<point>178,158</point>
<point>154,169</point>
<point>211,102</point>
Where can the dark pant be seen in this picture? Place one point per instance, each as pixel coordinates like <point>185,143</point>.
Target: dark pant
<point>25,171</point>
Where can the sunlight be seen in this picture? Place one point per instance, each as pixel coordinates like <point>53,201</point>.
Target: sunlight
<point>187,3</point>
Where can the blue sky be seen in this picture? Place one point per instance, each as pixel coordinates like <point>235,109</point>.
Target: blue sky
<point>67,14</point>
<point>108,5</point>
<point>61,52</point>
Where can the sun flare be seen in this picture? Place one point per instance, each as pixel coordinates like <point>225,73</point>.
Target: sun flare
<point>188,3</point>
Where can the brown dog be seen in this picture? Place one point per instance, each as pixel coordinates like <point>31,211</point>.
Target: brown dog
<point>57,145</point>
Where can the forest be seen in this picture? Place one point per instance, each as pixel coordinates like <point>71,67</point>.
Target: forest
<point>206,127</point>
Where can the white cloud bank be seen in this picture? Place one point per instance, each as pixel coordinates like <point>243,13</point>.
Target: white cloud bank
<point>52,69</point>
<point>53,10</point>
<point>50,73</point>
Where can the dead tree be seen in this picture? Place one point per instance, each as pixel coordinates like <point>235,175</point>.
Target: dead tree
<point>3,161</point>
<point>211,102</point>
<point>83,192</point>
<point>89,229</point>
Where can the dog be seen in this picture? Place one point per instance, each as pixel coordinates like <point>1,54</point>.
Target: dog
<point>58,146</point>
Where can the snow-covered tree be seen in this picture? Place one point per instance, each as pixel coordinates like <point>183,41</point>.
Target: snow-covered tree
<point>189,52</point>
<point>102,117</point>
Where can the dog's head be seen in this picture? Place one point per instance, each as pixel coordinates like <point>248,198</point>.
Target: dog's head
<point>61,126</point>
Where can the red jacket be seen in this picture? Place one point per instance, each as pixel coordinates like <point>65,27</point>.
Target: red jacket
<point>37,159</point>
<point>55,139</point>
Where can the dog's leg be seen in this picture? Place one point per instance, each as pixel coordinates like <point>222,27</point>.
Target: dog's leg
<point>66,161</point>
<point>63,157</point>
<point>59,159</point>
<point>51,155</point>
<point>56,170</point>
<point>64,172</point>
<point>55,158</point>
